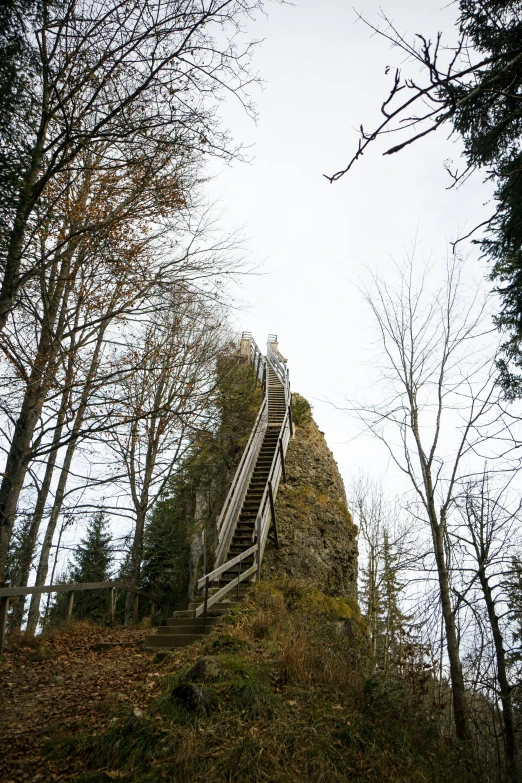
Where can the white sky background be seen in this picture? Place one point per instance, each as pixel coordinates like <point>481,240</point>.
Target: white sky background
<point>324,75</point>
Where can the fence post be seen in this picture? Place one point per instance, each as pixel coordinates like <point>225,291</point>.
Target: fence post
<point>111,606</point>
<point>4,608</point>
<point>152,613</point>
<point>69,607</point>
<point>258,553</point>
<point>205,606</point>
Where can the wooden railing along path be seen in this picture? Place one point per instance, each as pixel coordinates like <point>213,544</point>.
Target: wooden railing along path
<point>6,593</point>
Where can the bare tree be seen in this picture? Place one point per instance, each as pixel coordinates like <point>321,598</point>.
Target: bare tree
<point>439,395</point>
<point>139,79</point>
<point>489,533</point>
<point>119,272</point>
<point>164,403</point>
<point>388,557</point>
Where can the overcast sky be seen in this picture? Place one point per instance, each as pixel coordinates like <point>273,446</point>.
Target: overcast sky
<point>325,75</point>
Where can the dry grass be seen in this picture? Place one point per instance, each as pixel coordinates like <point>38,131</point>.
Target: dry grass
<point>296,703</point>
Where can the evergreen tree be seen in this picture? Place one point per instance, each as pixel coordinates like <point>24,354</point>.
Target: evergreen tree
<point>392,620</point>
<point>165,567</point>
<point>92,562</point>
<point>514,597</point>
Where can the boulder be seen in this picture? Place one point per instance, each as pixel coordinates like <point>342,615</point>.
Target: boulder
<point>206,669</point>
<point>145,623</point>
<point>103,646</point>
<point>135,720</point>
<point>162,655</point>
<point>194,697</point>
<point>42,654</point>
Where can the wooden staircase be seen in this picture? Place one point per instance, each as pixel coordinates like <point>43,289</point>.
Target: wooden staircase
<point>185,626</point>
<point>244,533</point>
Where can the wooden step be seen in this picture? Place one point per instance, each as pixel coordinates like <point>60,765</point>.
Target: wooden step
<point>170,640</point>
<point>215,607</point>
<point>195,622</point>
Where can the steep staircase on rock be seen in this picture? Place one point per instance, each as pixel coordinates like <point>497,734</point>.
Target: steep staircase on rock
<point>186,626</point>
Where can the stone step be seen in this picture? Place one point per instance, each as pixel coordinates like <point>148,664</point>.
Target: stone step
<point>212,612</point>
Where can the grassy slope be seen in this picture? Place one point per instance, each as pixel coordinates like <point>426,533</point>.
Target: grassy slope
<point>297,703</point>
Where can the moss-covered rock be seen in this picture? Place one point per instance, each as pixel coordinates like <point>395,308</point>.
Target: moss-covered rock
<point>317,537</point>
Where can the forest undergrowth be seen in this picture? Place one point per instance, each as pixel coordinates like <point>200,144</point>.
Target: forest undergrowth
<point>297,700</point>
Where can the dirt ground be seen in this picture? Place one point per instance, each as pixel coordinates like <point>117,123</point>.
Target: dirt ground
<point>78,690</point>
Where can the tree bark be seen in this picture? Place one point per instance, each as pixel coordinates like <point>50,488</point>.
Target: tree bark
<point>43,564</point>
<point>510,742</point>
<point>29,544</point>
<point>41,378</point>
<point>460,711</point>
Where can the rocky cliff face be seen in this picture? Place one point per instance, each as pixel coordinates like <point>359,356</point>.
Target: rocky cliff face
<point>317,537</point>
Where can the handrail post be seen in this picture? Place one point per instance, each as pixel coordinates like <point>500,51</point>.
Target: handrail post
<point>272,511</point>
<point>205,607</point>
<point>4,609</point>
<point>69,607</point>
<point>282,455</point>
<point>290,417</point>
<point>258,553</point>
<point>111,607</point>
<point>238,580</point>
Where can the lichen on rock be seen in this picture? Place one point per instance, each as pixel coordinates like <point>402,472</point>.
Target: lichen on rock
<point>317,536</point>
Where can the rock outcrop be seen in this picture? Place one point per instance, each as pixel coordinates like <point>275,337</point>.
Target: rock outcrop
<point>317,537</point>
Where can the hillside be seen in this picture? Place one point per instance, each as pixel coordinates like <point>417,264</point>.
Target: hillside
<point>292,697</point>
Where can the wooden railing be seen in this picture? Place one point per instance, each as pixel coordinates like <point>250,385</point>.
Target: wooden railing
<point>234,500</point>
<point>6,593</point>
<point>238,489</point>
<point>266,517</point>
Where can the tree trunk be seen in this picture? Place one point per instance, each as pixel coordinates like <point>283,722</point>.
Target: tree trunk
<point>41,378</point>
<point>135,564</point>
<point>43,565</point>
<point>29,544</point>
<point>505,690</point>
<point>457,680</point>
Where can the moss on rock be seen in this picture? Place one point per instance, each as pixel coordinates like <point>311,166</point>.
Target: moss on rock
<point>317,536</point>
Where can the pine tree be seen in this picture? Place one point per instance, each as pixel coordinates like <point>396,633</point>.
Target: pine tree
<point>392,620</point>
<point>92,562</point>
<point>165,569</point>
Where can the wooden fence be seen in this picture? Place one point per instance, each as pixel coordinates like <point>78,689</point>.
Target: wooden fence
<point>6,593</point>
